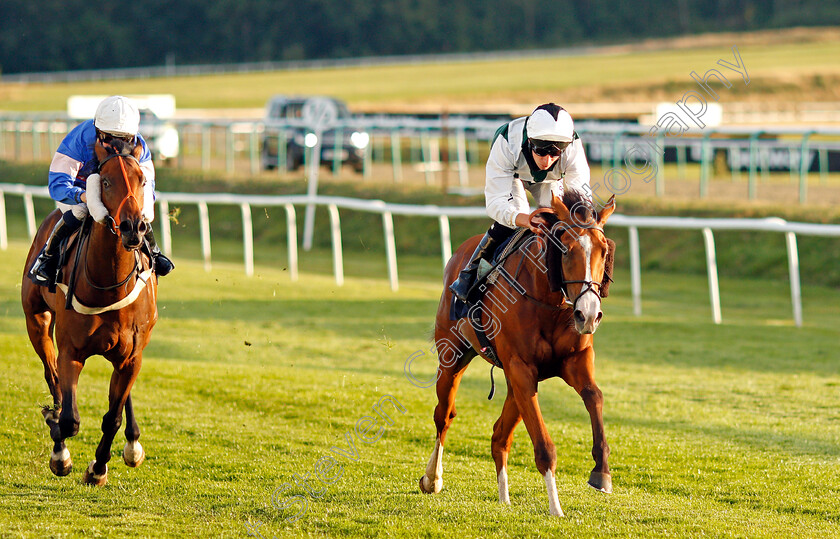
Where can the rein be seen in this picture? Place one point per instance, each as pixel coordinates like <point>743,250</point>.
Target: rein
<point>135,271</point>
<point>140,282</point>
<point>589,286</point>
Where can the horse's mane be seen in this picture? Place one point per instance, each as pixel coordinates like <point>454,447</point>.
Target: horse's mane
<point>119,146</point>
<point>582,212</point>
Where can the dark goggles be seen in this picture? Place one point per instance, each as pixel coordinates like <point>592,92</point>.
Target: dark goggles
<point>547,147</point>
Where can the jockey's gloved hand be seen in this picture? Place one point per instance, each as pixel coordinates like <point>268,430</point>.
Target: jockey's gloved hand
<point>94,199</point>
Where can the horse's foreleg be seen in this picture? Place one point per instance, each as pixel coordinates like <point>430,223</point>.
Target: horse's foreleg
<point>580,375</point>
<point>38,326</point>
<point>502,440</point>
<point>449,378</point>
<point>133,453</point>
<point>122,380</point>
<point>523,382</point>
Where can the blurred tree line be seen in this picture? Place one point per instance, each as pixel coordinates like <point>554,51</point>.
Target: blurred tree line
<point>76,34</point>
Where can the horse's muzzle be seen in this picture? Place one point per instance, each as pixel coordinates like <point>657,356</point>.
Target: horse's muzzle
<point>132,232</point>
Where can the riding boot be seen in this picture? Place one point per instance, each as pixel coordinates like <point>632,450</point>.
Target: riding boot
<point>45,267</point>
<point>462,285</point>
<point>162,264</point>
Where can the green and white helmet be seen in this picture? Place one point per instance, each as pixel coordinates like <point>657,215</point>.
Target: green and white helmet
<point>550,122</point>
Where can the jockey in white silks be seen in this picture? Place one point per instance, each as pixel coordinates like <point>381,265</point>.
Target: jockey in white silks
<point>540,153</point>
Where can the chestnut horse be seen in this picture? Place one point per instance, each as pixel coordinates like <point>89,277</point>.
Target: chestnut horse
<point>111,312</point>
<point>541,319</point>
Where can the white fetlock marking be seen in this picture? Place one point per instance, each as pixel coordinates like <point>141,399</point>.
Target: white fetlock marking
<point>553,500</point>
<point>95,475</point>
<point>133,451</point>
<point>61,456</point>
<point>434,469</point>
<point>504,497</point>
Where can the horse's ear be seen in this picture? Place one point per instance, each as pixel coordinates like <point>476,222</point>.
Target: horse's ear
<point>137,152</point>
<point>560,209</point>
<point>537,220</point>
<point>100,151</point>
<point>606,211</point>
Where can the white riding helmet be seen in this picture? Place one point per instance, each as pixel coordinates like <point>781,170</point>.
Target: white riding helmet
<point>118,116</point>
<point>550,122</point>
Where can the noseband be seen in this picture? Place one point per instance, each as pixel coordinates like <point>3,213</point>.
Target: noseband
<point>114,228</point>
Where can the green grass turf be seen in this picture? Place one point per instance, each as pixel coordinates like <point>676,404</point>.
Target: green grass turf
<point>467,82</point>
<point>721,431</point>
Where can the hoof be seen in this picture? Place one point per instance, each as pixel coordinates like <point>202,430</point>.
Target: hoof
<point>430,487</point>
<point>133,454</point>
<point>90,478</point>
<point>601,482</point>
<point>60,463</point>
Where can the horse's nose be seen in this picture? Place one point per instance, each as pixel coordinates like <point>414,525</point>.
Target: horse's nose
<point>132,232</point>
<point>587,325</point>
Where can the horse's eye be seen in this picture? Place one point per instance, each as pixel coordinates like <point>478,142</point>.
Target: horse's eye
<point>106,183</point>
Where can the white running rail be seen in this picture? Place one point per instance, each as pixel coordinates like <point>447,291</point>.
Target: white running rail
<point>443,213</point>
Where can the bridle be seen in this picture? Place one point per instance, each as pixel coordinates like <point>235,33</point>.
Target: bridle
<point>588,286</point>
<point>112,223</point>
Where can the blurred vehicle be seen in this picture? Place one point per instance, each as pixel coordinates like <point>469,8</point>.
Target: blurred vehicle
<point>294,119</point>
<point>161,136</point>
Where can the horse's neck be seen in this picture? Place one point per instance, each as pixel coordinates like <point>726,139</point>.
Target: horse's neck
<point>105,260</point>
<point>535,280</point>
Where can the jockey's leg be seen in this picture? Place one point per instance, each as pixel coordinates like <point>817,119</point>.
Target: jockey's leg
<point>162,264</point>
<point>44,268</point>
<point>495,235</point>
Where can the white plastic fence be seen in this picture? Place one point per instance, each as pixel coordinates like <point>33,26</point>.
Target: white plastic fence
<point>387,211</point>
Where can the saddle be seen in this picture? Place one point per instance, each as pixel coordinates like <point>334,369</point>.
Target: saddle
<point>65,249</point>
<point>488,272</point>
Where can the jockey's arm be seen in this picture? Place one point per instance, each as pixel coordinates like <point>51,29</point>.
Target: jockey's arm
<point>503,193</point>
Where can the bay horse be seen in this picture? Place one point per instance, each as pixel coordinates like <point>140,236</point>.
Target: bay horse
<point>111,312</point>
<point>541,318</point>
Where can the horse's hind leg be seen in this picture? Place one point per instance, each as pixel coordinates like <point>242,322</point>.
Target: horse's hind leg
<point>39,327</point>
<point>501,442</point>
<point>122,379</point>
<point>450,371</point>
<point>133,454</point>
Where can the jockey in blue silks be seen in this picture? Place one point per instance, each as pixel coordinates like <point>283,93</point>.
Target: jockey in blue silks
<point>74,161</point>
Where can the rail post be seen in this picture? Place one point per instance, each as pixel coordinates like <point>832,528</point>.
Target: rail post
<point>291,241</point>
<point>390,249</point>
<point>635,271</point>
<point>247,238</point>
<point>793,266</point>
<point>204,221</point>
<point>711,269</point>
<point>338,257</point>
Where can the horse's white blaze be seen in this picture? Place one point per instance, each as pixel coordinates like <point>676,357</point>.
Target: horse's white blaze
<point>61,456</point>
<point>504,497</point>
<point>553,500</point>
<point>589,303</point>
<point>434,469</point>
